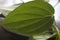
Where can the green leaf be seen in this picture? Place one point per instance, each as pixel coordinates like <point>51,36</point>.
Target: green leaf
<point>43,36</point>
<point>30,18</point>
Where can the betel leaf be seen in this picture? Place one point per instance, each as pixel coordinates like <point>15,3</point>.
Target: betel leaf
<point>30,18</point>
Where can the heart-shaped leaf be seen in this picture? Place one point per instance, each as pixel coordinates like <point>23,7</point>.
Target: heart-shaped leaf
<point>30,18</point>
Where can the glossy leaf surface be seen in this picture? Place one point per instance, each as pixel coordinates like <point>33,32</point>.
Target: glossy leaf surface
<point>30,18</point>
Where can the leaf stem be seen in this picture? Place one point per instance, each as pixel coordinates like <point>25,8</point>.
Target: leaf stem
<point>57,31</point>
